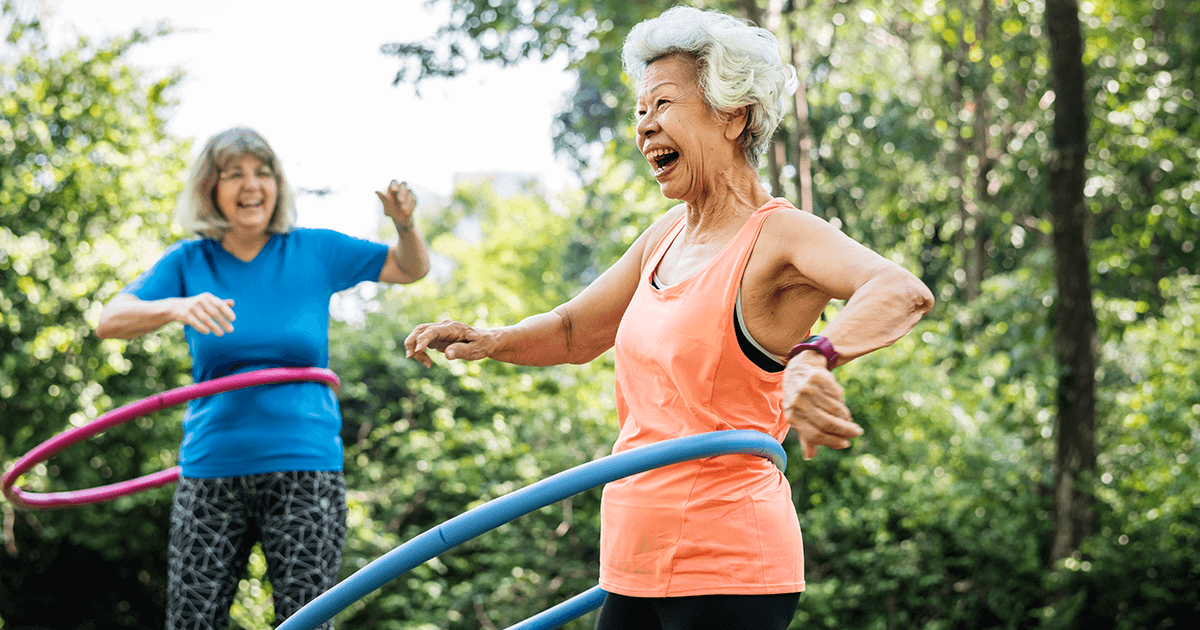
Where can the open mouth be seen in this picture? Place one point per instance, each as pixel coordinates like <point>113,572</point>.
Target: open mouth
<point>662,159</point>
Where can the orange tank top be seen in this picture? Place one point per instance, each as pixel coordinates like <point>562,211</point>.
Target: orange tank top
<point>722,525</point>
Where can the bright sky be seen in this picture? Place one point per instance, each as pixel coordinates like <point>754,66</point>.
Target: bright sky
<point>309,76</point>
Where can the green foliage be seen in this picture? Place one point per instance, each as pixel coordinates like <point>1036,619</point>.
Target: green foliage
<point>87,180</point>
<point>938,517</point>
<point>930,123</point>
<point>889,84</point>
<point>1143,185</point>
<point>1143,565</point>
<point>908,88</point>
<point>426,445</point>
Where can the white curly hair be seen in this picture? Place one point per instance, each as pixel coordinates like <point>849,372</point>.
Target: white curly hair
<point>737,65</point>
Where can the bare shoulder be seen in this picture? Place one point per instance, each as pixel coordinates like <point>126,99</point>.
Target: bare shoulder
<point>789,232</point>
<point>650,239</point>
<point>821,254</point>
<point>790,223</point>
<point>663,224</point>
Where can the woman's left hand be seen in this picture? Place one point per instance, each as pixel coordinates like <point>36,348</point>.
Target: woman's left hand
<point>398,204</point>
<point>814,403</point>
<point>454,339</point>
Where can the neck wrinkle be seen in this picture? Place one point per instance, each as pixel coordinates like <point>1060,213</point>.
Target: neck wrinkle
<point>736,196</point>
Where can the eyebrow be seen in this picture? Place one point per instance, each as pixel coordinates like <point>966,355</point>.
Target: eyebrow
<point>656,87</point>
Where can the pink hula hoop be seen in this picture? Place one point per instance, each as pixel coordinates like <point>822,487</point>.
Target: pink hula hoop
<point>133,410</point>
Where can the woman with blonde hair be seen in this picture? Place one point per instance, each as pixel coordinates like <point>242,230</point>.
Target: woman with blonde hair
<point>262,464</point>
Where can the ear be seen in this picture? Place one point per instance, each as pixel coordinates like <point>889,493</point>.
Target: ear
<point>735,122</point>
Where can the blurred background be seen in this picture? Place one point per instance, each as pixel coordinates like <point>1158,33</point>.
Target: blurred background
<point>1030,450</point>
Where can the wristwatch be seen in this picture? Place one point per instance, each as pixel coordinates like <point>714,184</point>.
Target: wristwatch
<point>818,343</point>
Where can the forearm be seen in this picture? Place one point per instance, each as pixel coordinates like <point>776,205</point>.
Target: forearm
<point>879,313</point>
<point>546,339</point>
<point>575,332</point>
<point>408,260</point>
<point>126,317</point>
<point>410,253</point>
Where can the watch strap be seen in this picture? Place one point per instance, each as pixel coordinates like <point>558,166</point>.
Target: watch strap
<point>820,344</point>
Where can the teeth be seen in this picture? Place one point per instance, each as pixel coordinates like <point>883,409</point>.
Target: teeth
<point>654,155</point>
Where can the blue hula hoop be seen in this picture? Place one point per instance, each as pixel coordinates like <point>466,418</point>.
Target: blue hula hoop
<point>499,511</point>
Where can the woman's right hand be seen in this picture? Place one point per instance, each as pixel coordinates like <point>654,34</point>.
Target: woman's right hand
<point>454,339</point>
<point>206,313</point>
<point>815,404</point>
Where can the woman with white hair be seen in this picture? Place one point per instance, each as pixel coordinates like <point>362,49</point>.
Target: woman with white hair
<point>710,313</point>
<point>262,464</point>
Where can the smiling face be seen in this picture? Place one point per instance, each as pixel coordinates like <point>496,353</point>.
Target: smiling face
<point>245,194</point>
<point>688,146</point>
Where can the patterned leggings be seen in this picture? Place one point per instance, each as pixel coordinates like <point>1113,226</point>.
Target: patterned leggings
<point>300,518</point>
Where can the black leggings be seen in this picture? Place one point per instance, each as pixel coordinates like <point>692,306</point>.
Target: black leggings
<point>300,518</point>
<point>699,612</point>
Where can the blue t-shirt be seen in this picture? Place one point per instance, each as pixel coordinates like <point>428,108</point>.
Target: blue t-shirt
<point>281,300</point>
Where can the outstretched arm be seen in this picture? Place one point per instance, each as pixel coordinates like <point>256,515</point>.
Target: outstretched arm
<point>126,316</point>
<point>575,332</point>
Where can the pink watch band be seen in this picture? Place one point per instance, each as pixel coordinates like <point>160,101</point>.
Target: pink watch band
<point>820,344</point>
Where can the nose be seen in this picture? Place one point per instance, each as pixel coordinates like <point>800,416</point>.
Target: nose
<point>647,125</point>
<point>253,181</point>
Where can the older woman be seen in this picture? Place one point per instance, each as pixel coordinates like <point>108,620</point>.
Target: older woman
<point>265,463</point>
<point>710,312</point>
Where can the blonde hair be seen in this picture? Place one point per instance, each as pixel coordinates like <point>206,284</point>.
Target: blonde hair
<point>197,210</point>
<point>737,65</point>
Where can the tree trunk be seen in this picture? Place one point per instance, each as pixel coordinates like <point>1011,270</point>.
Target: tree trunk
<point>1075,319</point>
<point>977,255</point>
<point>801,137</point>
<point>958,57</point>
<point>775,162</point>
<point>776,155</point>
<point>801,134</point>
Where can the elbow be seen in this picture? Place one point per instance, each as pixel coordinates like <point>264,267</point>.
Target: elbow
<point>415,275</point>
<point>416,270</point>
<point>917,296</point>
<point>104,329</point>
<point>403,276</point>
<point>109,331</point>
<point>583,356</point>
<point>922,298</point>
<point>908,294</point>
<point>578,350</point>
<point>114,324</point>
